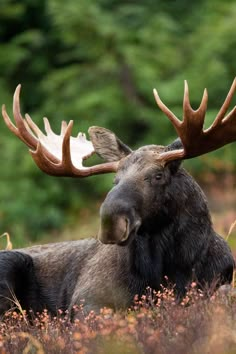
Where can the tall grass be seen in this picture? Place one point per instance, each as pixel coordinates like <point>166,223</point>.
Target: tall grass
<point>157,323</point>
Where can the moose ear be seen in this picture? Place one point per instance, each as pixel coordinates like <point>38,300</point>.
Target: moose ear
<point>107,145</point>
<point>174,165</point>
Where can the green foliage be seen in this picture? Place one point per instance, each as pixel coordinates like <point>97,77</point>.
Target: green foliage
<point>96,62</point>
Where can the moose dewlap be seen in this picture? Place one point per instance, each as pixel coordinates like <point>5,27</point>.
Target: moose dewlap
<point>155,224</point>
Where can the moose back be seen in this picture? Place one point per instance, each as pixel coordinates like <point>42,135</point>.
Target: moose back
<point>155,224</point>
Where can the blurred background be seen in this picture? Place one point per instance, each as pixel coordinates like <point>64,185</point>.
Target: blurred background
<point>96,62</point>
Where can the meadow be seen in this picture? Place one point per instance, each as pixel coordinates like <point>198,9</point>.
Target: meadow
<point>155,324</point>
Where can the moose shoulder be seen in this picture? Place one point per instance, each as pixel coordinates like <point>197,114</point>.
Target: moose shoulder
<point>155,223</point>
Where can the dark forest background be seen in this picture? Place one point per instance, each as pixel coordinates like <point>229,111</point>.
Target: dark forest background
<point>96,62</point>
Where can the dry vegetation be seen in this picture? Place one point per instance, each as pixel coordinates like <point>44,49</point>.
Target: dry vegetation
<point>156,324</point>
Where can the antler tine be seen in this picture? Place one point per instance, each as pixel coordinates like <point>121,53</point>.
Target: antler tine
<point>20,130</point>
<point>186,102</point>
<point>33,126</point>
<point>174,120</point>
<point>47,127</point>
<point>187,108</point>
<point>23,133</point>
<point>225,106</point>
<point>193,118</point>
<point>63,127</point>
<point>9,123</point>
<point>203,105</point>
<point>66,156</point>
<point>231,115</point>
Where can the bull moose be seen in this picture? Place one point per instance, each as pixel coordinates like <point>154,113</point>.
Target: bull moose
<point>155,223</point>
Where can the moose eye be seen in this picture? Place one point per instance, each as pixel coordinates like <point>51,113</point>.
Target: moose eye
<point>158,176</point>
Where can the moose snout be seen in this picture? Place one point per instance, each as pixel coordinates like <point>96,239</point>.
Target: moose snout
<point>114,230</point>
<point>117,227</point>
<point>119,215</point>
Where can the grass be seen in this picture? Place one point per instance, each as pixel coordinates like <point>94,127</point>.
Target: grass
<point>156,324</point>
<point>8,241</point>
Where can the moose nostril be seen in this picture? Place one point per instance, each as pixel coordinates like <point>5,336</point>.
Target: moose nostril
<point>124,229</point>
<point>122,224</point>
<point>113,230</point>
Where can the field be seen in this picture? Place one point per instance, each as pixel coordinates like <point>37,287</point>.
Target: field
<point>156,324</point>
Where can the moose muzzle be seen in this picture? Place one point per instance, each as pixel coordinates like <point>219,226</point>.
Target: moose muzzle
<point>118,229</point>
<point>120,218</point>
<point>114,230</point>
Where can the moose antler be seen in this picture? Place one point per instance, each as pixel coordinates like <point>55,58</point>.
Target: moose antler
<point>197,141</point>
<point>57,155</point>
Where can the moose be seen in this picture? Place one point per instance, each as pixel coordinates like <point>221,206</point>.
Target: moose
<point>155,225</point>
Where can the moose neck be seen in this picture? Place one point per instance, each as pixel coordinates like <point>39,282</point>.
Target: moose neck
<point>147,252</point>
<point>154,252</point>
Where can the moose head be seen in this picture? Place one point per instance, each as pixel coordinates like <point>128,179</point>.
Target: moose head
<point>147,179</point>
